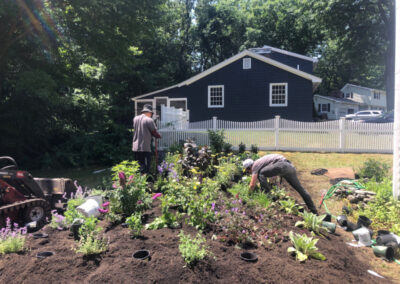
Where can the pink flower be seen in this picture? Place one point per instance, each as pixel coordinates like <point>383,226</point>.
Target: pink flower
<point>139,202</point>
<point>130,177</point>
<point>122,176</point>
<point>155,196</point>
<point>114,185</point>
<point>105,204</point>
<point>103,211</point>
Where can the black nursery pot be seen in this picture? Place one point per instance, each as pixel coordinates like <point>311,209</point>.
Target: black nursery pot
<point>386,240</point>
<point>141,254</point>
<point>342,220</point>
<point>40,236</point>
<point>363,221</point>
<point>351,227</point>
<point>249,256</point>
<point>328,218</point>
<point>44,254</point>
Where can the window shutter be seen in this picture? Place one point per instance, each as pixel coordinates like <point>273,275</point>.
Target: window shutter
<point>319,107</point>
<point>329,107</point>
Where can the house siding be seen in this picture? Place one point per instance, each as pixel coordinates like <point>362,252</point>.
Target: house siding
<point>246,94</point>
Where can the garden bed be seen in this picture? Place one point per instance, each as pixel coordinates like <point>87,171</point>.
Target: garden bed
<point>166,265</point>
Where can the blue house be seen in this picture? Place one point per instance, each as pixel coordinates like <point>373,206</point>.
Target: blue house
<point>253,85</point>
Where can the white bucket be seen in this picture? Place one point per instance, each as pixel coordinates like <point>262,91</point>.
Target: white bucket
<point>89,208</point>
<point>363,236</point>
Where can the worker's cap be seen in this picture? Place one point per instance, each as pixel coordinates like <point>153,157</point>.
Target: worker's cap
<point>247,163</point>
<point>147,108</point>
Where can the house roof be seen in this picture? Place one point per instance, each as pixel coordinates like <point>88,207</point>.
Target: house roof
<point>267,49</point>
<point>338,100</point>
<point>315,80</point>
<point>370,89</point>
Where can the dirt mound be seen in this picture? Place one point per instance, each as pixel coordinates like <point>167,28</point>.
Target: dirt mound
<point>166,265</point>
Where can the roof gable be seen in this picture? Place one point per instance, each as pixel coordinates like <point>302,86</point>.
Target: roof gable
<point>361,87</point>
<point>267,49</point>
<point>315,80</point>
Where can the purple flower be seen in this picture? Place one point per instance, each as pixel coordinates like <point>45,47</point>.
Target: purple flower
<point>130,177</point>
<point>106,204</point>
<point>114,185</point>
<point>155,196</point>
<point>212,206</point>
<point>160,169</point>
<point>244,213</point>
<point>139,202</point>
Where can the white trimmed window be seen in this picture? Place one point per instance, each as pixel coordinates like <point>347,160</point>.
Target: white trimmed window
<point>278,94</point>
<point>216,96</point>
<point>377,95</point>
<point>246,63</point>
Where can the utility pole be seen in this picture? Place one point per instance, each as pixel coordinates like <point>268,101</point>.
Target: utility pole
<point>396,136</point>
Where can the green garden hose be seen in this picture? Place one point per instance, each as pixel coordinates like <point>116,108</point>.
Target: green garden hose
<point>332,190</point>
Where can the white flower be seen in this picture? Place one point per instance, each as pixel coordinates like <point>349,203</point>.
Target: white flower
<point>244,178</point>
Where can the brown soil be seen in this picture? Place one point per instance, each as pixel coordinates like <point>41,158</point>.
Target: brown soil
<point>166,265</point>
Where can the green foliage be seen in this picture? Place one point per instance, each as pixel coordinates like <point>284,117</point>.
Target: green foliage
<point>290,206</point>
<point>304,247</point>
<point>216,140</point>
<point>89,227</point>
<point>135,224</point>
<point>130,196</point>
<point>192,249</point>
<point>312,222</point>
<point>12,239</point>
<point>242,148</point>
<point>374,169</point>
<point>91,244</point>
<point>227,148</point>
<point>71,213</point>
<point>384,211</point>
<point>254,149</point>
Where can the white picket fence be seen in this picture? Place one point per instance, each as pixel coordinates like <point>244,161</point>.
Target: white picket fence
<point>287,135</point>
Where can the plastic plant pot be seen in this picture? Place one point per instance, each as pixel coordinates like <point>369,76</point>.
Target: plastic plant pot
<point>383,232</point>
<point>328,218</point>
<point>249,256</point>
<point>383,251</point>
<point>386,240</point>
<point>330,226</point>
<point>44,254</point>
<point>362,235</point>
<point>141,254</point>
<point>363,221</point>
<point>351,227</point>
<point>40,236</point>
<point>342,220</point>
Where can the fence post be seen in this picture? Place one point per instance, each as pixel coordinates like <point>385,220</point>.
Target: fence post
<point>277,118</point>
<point>214,123</point>
<point>342,135</point>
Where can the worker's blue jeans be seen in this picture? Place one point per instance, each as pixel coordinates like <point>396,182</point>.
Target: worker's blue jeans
<point>286,170</point>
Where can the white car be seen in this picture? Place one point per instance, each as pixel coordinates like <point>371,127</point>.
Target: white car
<point>363,114</point>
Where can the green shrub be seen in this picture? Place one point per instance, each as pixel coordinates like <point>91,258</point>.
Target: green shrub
<point>91,244</point>
<point>227,148</point>
<point>135,224</point>
<point>254,149</point>
<point>242,148</point>
<point>216,140</point>
<point>374,169</point>
<point>192,249</point>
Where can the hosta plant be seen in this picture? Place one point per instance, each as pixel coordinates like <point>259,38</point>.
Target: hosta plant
<point>304,247</point>
<point>290,206</point>
<point>312,222</point>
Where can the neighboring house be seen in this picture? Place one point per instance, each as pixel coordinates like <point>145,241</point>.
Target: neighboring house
<point>250,86</point>
<point>333,107</point>
<point>366,98</point>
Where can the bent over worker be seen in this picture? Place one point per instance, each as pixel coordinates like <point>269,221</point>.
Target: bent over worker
<point>144,128</point>
<point>276,165</point>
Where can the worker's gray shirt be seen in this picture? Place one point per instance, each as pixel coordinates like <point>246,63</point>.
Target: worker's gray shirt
<point>142,126</point>
<point>266,161</point>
